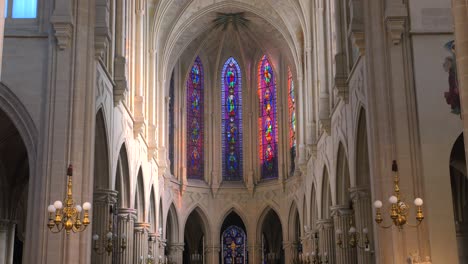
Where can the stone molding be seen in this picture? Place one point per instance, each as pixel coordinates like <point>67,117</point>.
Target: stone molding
<point>324,224</point>
<point>358,193</point>
<point>340,210</point>
<point>63,27</point>
<point>105,196</point>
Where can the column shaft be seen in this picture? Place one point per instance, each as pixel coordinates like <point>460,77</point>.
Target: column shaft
<point>327,239</point>
<point>103,200</point>
<point>125,225</point>
<point>176,252</point>
<point>364,219</point>
<point>212,254</point>
<point>342,218</point>
<point>140,243</point>
<point>7,241</point>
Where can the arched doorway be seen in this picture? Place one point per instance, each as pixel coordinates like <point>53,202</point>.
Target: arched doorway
<point>233,240</point>
<point>14,181</point>
<point>195,238</point>
<point>459,183</point>
<point>294,234</point>
<point>272,239</point>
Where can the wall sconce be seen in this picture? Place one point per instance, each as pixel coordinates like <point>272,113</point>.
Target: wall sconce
<point>68,217</point>
<point>399,209</point>
<point>354,239</point>
<point>106,245</point>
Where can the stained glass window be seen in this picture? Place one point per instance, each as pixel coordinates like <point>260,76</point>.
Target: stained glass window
<point>171,123</point>
<point>292,119</point>
<point>195,121</point>
<point>234,250</point>
<point>231,101</point>
<point>267,123</point>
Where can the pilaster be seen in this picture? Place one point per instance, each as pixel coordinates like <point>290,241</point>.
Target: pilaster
<point>140,242</point>
<point>363,217</point>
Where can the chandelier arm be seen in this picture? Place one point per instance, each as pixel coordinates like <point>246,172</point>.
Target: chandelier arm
<point>416,225</point>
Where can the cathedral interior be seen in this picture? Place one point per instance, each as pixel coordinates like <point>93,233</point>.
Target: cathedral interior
<point>233,131</point>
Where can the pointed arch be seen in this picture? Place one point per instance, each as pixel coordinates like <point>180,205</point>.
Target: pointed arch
<point>342,177</point>
<point>326,195</point>
<point>196,232</point>
<point>272,242</point>
<point>172,226</point>
<point>267,120</point>
<point>140,197</point>
<point>101,153</point>
<point>195,122</point>
<point>231,102</point>
<point>314,212</point>
<point>294,228</point>
<point>122,181</point>
<point>362,152</point>
<point>152,211</point>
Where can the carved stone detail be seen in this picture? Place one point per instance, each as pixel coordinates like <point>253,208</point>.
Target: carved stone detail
<point>63,28</point>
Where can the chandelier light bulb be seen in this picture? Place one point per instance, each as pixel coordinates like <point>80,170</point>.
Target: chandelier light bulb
<point>393,199</point>
<point>352,230</point>
<point>418,202</point>
<point>87,206</point>
<point>339,232</point>
<point>58,205</point>
<point>378,204</point>
<point>95,237</point>
<point>109,235</point>
<point>51,208</point>
<point>79,208</point>
<point>365,230</point>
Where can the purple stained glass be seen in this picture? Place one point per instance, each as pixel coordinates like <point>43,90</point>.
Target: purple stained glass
<point>234,249</point>
<point>267,122</point>
<point>231,101</point>
<point>195,138</point>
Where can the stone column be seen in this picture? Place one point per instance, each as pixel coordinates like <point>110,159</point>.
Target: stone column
<point>161,247</point>
<point>176,251</point>
<point>126,218</point>
<point>153,246</point>
<point>364,219</point>
<point>342,219</point>
<point>103,200</point>
<point>7,241</point>
<point>212,254</point>
<point>326,239</point>
<point>460,16</point>
<point>255,253</point>
<point>140,243</point>
<point>290,251</point>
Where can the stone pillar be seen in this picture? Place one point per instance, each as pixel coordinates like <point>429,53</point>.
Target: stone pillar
<point>103,200</point>
<point>460,16</point>
<point>326,239</point>
<point>290,251</point>
<point>7,241</point>
<point>212,254</point>
<point>364,219</point>
<point>342,219</point>
<point>255,253</point>
<point>176,251</point>
<point>153,246</point>
<point>126,218</point>
<point>140,243</point>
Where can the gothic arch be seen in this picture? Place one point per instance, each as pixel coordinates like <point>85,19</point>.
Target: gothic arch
<point>139,200</point>
<point>101,153</point>
<point>122,180</point>
<point>172,226</point>
<point>202,213</point>
<point>237,211</point>
<point>362,153</point>
<point>262,218</point>
<point>326,197</point>
<point>342,177</point>
<point>294,223</point>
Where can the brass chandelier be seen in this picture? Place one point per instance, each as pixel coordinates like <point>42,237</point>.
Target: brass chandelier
<point>68,217</point>
<point>399,209</point>
<point>107,244</point>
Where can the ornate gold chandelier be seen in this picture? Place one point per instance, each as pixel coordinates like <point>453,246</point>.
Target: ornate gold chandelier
<point>399,209</point>
<point>68,217</point>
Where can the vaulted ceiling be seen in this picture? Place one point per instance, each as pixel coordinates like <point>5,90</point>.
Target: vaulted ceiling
<point>185,28</point>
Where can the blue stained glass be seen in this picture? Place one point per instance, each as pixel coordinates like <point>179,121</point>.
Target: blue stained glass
<point>231,101</point>
<point>195,159</point>
<point>234,249</point>
<point>267,123</point>
<point>24,9</point>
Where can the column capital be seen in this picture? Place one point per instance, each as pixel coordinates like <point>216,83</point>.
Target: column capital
<point>105,196</point>
<point>340,210</point>
<point>176,247</point>
<point>212,249</point>
<point>358,193</point>
<point>324,224</point>
<point>127,213</point>
<point>141,227</point>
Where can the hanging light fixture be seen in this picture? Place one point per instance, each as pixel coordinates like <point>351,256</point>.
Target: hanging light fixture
<point>67,215</point>
<point>399,209</point>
